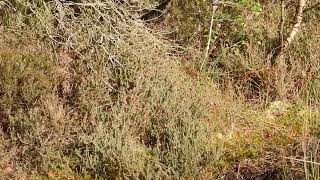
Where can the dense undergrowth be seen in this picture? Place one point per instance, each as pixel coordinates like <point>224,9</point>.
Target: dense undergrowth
<point>90,91</point>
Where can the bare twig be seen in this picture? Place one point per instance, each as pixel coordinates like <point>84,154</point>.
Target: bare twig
<point>210,34</point>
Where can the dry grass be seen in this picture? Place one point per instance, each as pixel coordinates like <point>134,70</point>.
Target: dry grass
<point>87,91</point>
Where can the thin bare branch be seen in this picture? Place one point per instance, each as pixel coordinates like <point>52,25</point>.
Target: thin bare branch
<point>214,9</point>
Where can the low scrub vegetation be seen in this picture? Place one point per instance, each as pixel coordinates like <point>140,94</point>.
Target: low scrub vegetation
<point>89,90</point>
